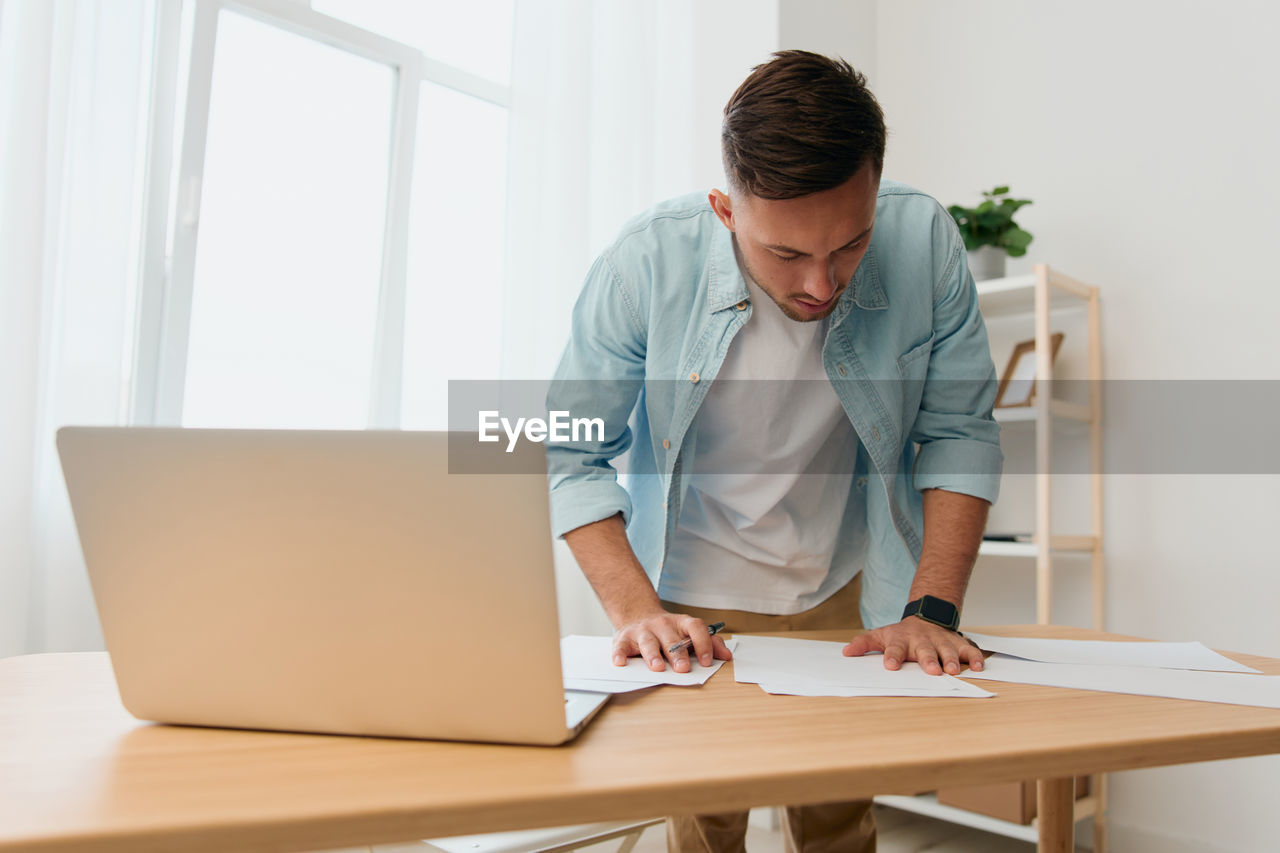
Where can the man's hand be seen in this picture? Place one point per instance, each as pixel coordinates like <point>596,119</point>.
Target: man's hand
<point>934,647</point>
<point>630,601</point>
<point>650,638</point>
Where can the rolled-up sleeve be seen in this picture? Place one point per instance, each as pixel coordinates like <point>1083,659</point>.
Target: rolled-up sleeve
<point>600,375</point>
<point>959,440</point>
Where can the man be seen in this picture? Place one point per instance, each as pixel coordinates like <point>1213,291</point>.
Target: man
<point>809,388</point>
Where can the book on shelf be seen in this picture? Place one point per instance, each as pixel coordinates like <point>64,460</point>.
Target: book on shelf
<point>1002,536</point>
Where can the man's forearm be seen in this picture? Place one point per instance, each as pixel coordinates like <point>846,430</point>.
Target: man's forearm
<point>606,558</point>
<point>953,525</point>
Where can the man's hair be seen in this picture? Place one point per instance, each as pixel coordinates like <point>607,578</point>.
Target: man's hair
<point>801,123</point>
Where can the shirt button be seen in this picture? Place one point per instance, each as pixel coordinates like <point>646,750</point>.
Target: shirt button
<point>840,369</point>
<point>693,377</point>
<point>862,482</point>
<point>741,306</point>
<point>666,444</point>
<point>664,504</point>
<point>875,433</point>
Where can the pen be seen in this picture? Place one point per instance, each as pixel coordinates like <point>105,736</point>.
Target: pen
<point>713,629</point>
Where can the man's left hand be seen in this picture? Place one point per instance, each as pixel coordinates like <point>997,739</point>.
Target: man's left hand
<point>935,648</point>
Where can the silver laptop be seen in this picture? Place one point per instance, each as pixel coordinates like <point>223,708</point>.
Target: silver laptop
<point>340,582</point>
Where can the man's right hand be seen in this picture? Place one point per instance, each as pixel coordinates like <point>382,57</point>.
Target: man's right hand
<point>644,629</point>
<point>651,637</point>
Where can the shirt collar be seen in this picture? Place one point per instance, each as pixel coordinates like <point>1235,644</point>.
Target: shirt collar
<point>725,285</point>
<point>867,292</point>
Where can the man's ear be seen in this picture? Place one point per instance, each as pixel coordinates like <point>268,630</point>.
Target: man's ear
<point>723,207</point>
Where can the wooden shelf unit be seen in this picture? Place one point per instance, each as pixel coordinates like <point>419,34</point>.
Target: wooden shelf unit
<point>1036,296</point>
<point>928,805</point>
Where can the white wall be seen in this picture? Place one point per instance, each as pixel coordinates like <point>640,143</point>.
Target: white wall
<point>1146,133</point>
<point>844,28</point>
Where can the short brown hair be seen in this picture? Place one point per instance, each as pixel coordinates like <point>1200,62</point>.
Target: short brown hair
<point>800,123</point>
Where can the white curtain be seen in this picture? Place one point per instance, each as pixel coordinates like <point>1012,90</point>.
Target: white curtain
<point>73,85</point>
<point>615,105</point>
<point>597,86</point>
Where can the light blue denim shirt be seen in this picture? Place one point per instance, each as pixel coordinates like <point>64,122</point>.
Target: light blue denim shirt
<point>906,352</point>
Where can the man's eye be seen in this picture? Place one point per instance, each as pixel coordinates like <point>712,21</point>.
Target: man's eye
<point>851,247</point>
<point>786,258</point>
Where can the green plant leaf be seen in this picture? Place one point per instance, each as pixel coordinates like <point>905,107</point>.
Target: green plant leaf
<point>991,222</point>
<point>994,220</point>
<point>1015,241</point>
<point>963,219</point>
<point>1017,237</point>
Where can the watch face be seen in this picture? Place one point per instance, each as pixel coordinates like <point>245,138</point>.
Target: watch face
<point>937,610</point>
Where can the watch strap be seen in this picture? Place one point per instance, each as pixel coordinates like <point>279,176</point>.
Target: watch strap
<point>936,610</point>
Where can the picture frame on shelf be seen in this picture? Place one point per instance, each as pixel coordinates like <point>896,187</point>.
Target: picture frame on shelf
<point>1018,381</point>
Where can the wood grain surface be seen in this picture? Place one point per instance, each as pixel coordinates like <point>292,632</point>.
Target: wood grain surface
<point>77,772</point>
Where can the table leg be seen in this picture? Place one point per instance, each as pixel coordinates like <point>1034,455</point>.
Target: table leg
<point>1055,805</point>
<point>1100,816</point>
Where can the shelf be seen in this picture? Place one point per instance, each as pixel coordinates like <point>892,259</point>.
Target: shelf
<point>928,805</point>
<point>1014,295</point>
<point>1081,544</point>
<point>1021,303</point>
<point>1079,412</point>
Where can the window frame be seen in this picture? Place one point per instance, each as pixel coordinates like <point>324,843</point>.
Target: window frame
<point>163,317</point>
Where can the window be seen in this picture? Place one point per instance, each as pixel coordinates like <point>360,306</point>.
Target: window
<point>475,36</point>
<point>456,239</point>
<point>339,226</point>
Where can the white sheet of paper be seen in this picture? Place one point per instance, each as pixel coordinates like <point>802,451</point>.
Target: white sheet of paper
<point>782,660</point>
<point>1232,688</point>
<point>1108,653</point>
<point>800,687</point>
<point>591,658</point>
<point>593,685</point>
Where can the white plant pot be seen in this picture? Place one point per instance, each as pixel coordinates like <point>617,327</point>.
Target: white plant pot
<point>987,262</point>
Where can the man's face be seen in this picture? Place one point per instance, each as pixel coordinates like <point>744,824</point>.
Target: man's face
<point>804,251</point>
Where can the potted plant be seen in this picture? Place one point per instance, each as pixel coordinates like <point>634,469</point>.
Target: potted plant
<point>990,233</point>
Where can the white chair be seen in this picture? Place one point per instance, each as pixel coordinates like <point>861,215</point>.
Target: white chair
<point>554,840</point>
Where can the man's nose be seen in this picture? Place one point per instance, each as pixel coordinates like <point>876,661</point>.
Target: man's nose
<point>822,283</point>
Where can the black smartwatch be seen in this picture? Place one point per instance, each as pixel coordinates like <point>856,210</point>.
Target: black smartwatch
<point>935,610</point>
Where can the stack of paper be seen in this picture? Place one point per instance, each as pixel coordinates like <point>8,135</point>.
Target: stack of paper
<point>816,668</point>
<point>1233,688</point>
<point>1171,670</point>
<point>1107,653</point>
<point>587,663</point>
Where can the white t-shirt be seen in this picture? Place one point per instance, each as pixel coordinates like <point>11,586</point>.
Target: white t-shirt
<point>756,532</point>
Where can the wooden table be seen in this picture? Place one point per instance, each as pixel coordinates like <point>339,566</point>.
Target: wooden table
<point>78,773</point>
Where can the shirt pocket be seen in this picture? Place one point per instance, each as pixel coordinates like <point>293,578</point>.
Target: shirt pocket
<point>913,367</point>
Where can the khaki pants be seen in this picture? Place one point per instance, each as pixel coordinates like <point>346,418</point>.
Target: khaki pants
<point>828,828</point>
